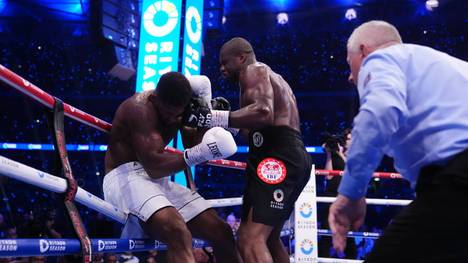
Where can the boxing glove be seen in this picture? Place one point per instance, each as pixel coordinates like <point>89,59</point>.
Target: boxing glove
<point>199,115</point>
<point>220,103</point>
<point>201,88</point>
<point>217,143</point>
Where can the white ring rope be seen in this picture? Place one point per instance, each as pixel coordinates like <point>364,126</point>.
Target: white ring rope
<point>56,184</point>
<point>369,201</point>
<point>338,260</point>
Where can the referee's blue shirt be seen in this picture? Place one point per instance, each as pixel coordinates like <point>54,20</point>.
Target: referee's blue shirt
<point>414,108</point>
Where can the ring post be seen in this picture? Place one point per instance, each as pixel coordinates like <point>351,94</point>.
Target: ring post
<point>305,223</point>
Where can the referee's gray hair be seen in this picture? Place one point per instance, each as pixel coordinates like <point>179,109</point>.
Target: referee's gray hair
<point>373,33</point>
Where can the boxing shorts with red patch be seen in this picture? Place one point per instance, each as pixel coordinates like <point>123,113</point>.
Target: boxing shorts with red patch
<point>278,168</point>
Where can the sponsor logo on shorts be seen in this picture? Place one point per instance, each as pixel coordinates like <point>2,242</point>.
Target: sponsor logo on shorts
<point>271,171</point>
<point>278,196</point>
<point>107,245</point>
<point>8,245</point>
<point>257,139</point>
<point>52,245</point>
<point>305,210</point>
<point>307,247</point>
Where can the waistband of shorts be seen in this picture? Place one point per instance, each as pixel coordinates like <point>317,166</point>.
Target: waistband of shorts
<point>125,168</point>
<point>278,135</point>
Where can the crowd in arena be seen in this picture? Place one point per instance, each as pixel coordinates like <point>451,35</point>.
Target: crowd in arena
<point>313,63</point>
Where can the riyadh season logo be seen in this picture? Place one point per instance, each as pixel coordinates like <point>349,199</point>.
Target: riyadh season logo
<point>193,29</point>
<point>160,10</point>
<point>51,245</point>
<point>135,244</point>
<point>307,246</point>
<point>8,245</point>
<point>305,210</point>
<point>257,139</point>
<point>278,195</point>
<point>107,244</point>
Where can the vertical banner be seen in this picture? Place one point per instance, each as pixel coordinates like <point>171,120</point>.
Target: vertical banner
<point>305,225</point>
<point>159,41</point>
<point>192,45</point>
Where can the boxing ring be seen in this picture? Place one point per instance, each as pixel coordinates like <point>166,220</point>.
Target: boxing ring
<point>305,217</point>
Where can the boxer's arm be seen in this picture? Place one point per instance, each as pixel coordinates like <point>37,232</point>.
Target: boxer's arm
<point>148,145</point>
<point>258,100</point>
<point>382,88</point>
<point>191,136</point>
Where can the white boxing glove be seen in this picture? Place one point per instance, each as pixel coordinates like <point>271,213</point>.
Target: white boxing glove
<point>201,88</point>
<point>217,143</point>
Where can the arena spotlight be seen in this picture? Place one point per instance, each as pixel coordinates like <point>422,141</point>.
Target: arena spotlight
<point>350,14</point>
<point>223,20</point>
<point>282,18</point>
<point>432,4</point>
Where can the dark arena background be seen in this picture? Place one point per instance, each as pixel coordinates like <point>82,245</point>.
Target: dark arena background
<point>86,53</point>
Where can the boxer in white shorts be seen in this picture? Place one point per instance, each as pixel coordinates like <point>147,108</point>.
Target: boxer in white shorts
<point>137,170</point>
<point>129,188</point>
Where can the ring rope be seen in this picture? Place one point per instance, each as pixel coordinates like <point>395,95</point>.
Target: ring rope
<point>371,235</point>
<point>56,184</point>
<point>29,89</point>
<point>370,201</point>
<point>32,91</point>
<point>338,260</point>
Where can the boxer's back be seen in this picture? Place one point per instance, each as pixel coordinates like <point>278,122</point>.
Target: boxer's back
<point>133,111</point>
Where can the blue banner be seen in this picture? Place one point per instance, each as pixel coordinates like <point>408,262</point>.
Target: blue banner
<point>159,41</point>
<point>50,147</point>
<point>103,147</point>
<point>191,58</point>
<point>55,247</point>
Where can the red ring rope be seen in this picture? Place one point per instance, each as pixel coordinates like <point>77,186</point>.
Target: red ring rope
<point>47,100</point>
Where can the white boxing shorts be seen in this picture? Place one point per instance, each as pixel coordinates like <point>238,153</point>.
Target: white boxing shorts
<point>129,188</point>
